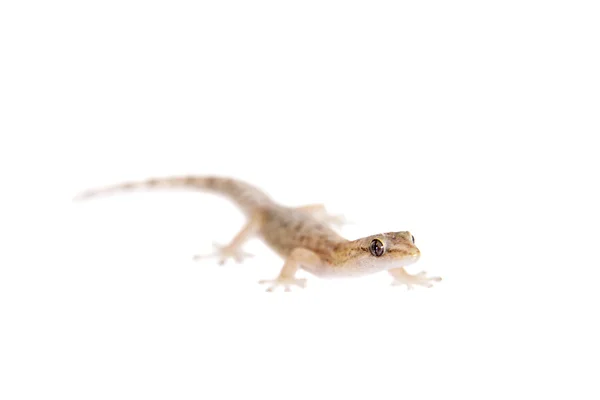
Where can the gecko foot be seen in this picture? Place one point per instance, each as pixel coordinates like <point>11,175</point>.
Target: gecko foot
<point>401,277</point>
<point>223,253</point>
<point>287,283</point>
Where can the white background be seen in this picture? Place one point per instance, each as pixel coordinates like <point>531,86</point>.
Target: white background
<point>469,123</point>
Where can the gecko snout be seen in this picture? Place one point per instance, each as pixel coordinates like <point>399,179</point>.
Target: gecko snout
<point>415,253</point>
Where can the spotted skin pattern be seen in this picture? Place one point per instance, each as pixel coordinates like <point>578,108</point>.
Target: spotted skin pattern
<point>302,236</point>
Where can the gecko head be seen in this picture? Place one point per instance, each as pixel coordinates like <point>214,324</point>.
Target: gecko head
<point>380,252</point>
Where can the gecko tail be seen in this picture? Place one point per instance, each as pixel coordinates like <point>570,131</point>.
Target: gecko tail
<point>123,187</point>
<point>246,196</point>
<point>174,182</point>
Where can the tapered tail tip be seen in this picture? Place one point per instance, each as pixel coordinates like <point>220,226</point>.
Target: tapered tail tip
<point>84,196</point>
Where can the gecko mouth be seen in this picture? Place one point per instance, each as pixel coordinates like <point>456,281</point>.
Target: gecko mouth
<point>413,258</point>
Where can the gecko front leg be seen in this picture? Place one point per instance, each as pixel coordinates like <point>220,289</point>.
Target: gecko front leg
<point>234,248</point>
<point>299,257</point>
<point>320,213</point>
<point>401,277</point>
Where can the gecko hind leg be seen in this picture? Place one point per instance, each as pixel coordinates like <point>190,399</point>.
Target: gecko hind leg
<point>287,277</point>
<point>234,249</point>
<point>224,253</point>
<point>401,277</point>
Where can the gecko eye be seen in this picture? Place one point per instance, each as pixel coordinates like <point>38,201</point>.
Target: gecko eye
<point>413,238</point>
<point>377,248</point>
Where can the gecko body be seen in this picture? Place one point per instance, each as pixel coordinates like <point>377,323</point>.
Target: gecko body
<point>302,236</point>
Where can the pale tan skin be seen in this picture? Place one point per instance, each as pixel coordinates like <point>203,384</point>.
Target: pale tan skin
<point>301,235</point>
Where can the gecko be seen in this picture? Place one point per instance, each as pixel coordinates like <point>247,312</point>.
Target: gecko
<point>303,236</point>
